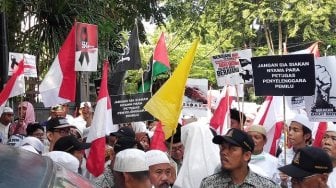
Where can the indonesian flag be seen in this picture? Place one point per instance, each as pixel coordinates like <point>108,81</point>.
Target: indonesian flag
<point>101,124</point>
<point>59,84</point>
<point>221,117</point>
<point>15,86</point>
<point>270,115</point>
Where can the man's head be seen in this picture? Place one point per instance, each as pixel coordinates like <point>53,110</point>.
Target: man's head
<point>310,168</point>
<point>329,142</point>
<point>237,119</point>
<point>300,131</point>
<point>258,134</point>
<point>177,151</point>
<point>57,128</point>
<point>159,168</point>
<point>35,130</point>
<point>57,111</point>
<point>131,170</point>
<point>236,147</point>
<point>71,145</point>
<point>7,116</point>
<point>124,132</point>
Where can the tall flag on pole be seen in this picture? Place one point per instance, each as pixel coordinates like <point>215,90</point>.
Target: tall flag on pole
<point>158,64</point>
<point>166,105</point>
<point>15,86</point>
<point>101,124</point>
<point>130,58</point>
<point>219,121</point>
<point>59,84</point>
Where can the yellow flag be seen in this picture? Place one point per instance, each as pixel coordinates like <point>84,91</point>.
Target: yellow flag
<point>166,104</point>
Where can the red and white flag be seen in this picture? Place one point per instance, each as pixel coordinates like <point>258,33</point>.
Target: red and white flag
<point>59,84</point>
<point>15,86</point>
<point>270,115</point>
<point>221,116</point>
<point>101,124</point>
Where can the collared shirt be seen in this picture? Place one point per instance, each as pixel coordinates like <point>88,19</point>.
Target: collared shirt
<point>106,180</point>
<point>223,179</point>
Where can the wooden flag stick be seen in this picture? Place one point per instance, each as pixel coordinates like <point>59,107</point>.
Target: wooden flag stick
<point>284,126</point>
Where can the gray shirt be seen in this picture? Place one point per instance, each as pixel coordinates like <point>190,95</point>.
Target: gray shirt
<point>223,179</point>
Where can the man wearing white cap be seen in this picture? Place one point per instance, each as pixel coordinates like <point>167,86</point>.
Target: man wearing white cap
<point>299,136</point>
<point>259,157</point>
<point>159,168</point>
<point>329,146</point>
<point>131,170</point>
<point>5,119</point>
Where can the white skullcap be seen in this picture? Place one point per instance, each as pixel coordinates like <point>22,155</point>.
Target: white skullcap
<point>65,159</point>
<point>154,157</point>
<point>130,160</point>
<point>303,120</point>
<point>82,104</point>
<point>7,110</point>
<point>29,148</point>
<point>34,142</point>
<point>331,127</point>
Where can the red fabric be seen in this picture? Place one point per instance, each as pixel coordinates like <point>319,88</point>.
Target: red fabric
<point>322,127</point>
<point>158,140</point>
<point>218,119</point>
<point>161,53</point>
<point>102,118</point>
<point>66,57</point>
<point>96,160</point>
<point>8,89</point>
<point>277,135</point>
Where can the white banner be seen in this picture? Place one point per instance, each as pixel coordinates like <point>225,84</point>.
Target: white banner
<point>29,63</point>
<point>233,68</point>
<point>195,99</point>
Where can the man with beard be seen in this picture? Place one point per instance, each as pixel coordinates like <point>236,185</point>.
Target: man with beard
<point>329,146</point>
<point>159,168</point>
<point>236,148</point>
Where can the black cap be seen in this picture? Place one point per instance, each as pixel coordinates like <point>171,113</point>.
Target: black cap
<point>57,123</point>
<point>70,144</point>
<point>176,136</point>
<point>124,132</point>
<point>236,137</point>
<point>124,143</point>
<point>308,161</point>
<point>235,114</point>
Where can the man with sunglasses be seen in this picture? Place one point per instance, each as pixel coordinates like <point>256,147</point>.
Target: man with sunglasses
<point>310,168</point>
<point>329,146</point>
<point>57,128</point>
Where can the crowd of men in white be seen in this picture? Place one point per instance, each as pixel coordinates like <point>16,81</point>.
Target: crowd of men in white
<point>194,156</point>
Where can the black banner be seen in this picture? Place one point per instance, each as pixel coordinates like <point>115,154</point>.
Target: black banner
<point>288,75</point>
<point>129,108</point>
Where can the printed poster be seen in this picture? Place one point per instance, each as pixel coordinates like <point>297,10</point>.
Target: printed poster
<point>29,64</point>
<point>233,68</point>
<point>321,106</point>
<point>86,47</point>
<point>195,101</point>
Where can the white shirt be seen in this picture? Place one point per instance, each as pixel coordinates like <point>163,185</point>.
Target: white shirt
<point>267,162</point>
<point>332,179</point>
<point>4,133</point>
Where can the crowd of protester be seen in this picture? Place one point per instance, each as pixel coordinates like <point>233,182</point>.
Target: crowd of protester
<point>194,156</point>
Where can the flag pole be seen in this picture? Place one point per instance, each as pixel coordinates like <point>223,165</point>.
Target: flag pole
<point>240,113</point>
<point>284,126</point>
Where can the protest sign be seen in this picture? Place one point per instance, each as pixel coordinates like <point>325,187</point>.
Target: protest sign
<point>286,75</point>
<point>195,99</point>
<point>321,106</point>
<point>129,108</point>
<point>86,47</point>
<point>228,67</point>
<point>29,64</point>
